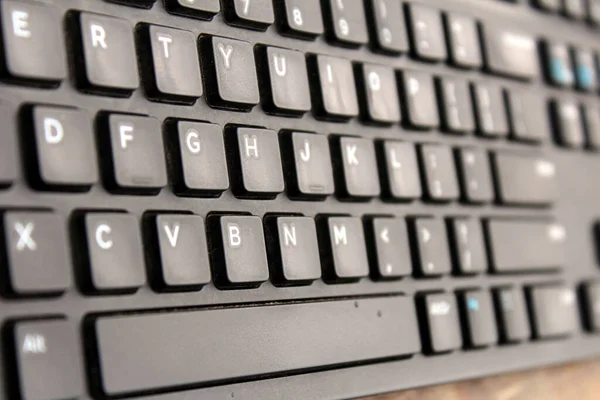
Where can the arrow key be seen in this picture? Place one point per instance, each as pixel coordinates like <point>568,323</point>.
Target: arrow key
<point>428,238</point>
<point>389,248</point>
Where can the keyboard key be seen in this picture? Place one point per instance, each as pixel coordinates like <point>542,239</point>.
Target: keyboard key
<point>575,8</point>
<point>387,23</point>
<point>198,158</point>
<point>419,100</point>
<point>175,64</point>
<point>475,175</point>
<point>490,112</point>
<point>591,305</point>
<point>380,93</point>
<point>294,251</point>
<point>64,141</point>
<point>480,326</point>
<point>48,359</point>
<point>255,163</point>
<point>559,70</point>
<point>440,320</point>
<point>288,90</point>
<point>527,116</point>
<point>390,250</point>
<point>346,23</point>
<point>468,249</point>
<point>237,251</point>
<point>115,260</point>
<point>301,17</point>
<point>401,170</point>
<point>591,118</point>
<point>8,144</point>
<point>549,5</point>
<point>108,58</point>
<point>568,124</point>
<point>585,70</point>
<point>137,160</point>
<point>342,241</point>
<point>455,105</point>
<point>594,11</point>
<point>230,73</point>
<point>358,176</point>
<point>439,173</point>
<point>203,9</point>
<point>509,52</point>
<point>512,315</point>
<point>428,237</point>
<point>553,311</point>
<point>463,40</point>
<point>300,337</point>
<point>33,41</point>
<point>37,259</point>
<point>254,14</point>
<point>309,165</point>
<point>525,245</point>
<point>524,179</point>
<point>336,89</point>
<point>426,32</point>
<point>180,256</point>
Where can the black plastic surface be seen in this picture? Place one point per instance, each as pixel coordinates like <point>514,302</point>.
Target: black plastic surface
<point>577,208</point>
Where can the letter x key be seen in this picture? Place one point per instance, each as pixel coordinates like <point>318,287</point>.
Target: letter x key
<point>36,249</point>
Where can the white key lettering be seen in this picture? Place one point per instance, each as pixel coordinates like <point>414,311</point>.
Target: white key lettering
<point>98,36</point>
<point>344,27</point>
<point>246,6</point>
<point>297,15</point>
<point>172,234</point>
<point>125,132</point>
<point>192,141</point>
<point>339,235</point>
<point>396,164</point>
<point>234,235</point>
<point>226,52</point>
<point>351,154</point>
<point>53,131</point>
<point>34,343</point>
<point>25,239</point>
<point>289,235</point>
<point>305,152</point>
<point>374,81</point>
<point>102,231</point>
<point>280,64</point>
<point>166,40</point>
<point>251,146</point>
<point>21,24</point>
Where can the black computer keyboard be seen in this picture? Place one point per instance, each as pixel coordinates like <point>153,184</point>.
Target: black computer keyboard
<point>294,199</point>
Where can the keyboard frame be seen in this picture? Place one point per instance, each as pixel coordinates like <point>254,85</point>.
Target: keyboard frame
<point>576,209</point>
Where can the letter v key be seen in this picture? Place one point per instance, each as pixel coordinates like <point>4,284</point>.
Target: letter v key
<point>172,234</point>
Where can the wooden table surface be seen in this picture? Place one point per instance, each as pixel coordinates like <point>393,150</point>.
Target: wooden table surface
<point>579,381</point>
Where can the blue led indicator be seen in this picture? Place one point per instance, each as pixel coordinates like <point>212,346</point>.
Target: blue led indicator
<point>584,76</point>
<point>473,304</point>
<point>560,74</point>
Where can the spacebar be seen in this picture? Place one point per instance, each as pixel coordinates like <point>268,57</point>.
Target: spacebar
<point>140,353</point>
